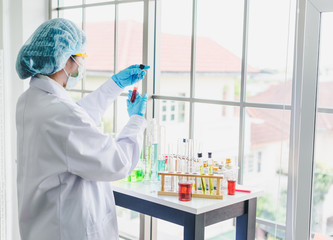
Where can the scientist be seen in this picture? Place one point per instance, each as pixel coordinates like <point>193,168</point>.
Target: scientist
<point>64,161</point>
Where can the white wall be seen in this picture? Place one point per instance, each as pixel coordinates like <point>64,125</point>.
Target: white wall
<point>18,19</point>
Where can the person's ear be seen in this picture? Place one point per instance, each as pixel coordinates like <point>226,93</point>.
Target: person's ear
<point>69,65</point>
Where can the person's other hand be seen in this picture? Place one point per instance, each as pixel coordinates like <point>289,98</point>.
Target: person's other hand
<point>138,106</point>
<point>130,75</point>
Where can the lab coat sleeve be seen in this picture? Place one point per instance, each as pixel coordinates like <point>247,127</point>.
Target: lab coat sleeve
<point>97,102</point>
<point>93,155</point>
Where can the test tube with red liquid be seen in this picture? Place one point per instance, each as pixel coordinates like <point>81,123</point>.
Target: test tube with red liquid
<point>135,89</point>
<point>185,191</point>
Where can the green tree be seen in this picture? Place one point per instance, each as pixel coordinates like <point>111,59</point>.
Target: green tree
<point>322,182</point>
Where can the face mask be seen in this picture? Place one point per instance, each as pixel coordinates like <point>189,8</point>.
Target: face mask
<point>73,80</point>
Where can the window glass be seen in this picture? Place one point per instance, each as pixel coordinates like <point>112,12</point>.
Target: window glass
<point>66,3</point>
<point>219,49</point>
<point>266,154</point>
<point>95,1</point>
<point>325,70</point>
<point>222,230</point>
<point>216,127</point>
<point>322,188</point>
<point>173,126</point>
<point>322,195</point>
<point>167,230</point>
<point>128,223</point>
<point>175,48</point>
<point>130,35</point>
<point>270,51</point>
<point>74,15</point>
<point>100,46</point>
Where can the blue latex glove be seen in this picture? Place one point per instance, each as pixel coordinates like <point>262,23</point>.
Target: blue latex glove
<point>129,76</point>
<point>138,106</point>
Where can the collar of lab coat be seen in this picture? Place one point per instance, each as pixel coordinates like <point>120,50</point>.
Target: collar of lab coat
<point>48,85</point>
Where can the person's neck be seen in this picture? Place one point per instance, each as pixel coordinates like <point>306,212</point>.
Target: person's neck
<point>60,77</point>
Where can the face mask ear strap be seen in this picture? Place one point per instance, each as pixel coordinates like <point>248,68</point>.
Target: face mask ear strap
<point>75,61</point>
<point>66,72</point>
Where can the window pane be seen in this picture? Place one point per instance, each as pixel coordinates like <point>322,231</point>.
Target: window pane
<point>325,77</point>
<point>219,49</point>
<point>175,123</point>
<point>128,223</point>
<point>216,127</point>
<point>175,53</point>
<point>270,51</point>
<point>268,232</point>
<point>65,3</point>
<point>95,1</point>
<point>322,196</point>
<point>74,15</point>
<point>100,46</point>
<point>130,38</point>
<point>222,230</point>
<point>167,230</point>
<point>130,34</point>
<point>266,154</point>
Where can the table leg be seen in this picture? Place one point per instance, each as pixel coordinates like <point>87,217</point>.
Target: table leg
<point>194,227</point>
<point>246,224</point>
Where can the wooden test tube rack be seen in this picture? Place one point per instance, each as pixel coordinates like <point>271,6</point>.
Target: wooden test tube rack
<point>216,194</point>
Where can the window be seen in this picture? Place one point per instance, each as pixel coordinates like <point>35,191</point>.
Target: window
<point>228,85</point>
<point>237,81</point>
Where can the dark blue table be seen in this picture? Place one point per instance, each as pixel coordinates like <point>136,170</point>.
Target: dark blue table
<point>194,219</point>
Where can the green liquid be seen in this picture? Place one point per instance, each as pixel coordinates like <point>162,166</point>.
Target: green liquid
<point>161,166</point>
<point>135,176</point>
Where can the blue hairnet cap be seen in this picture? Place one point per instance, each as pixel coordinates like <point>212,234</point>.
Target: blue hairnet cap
<point>50,46</point>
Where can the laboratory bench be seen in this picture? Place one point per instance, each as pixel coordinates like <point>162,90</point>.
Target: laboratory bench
<point>193,215</point>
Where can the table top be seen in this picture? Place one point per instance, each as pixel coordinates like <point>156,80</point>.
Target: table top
<point>148,191</point>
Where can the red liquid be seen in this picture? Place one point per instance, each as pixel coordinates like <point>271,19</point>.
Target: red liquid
<point>231,187</point>
<point>185,191</point>
<point>134,94</point>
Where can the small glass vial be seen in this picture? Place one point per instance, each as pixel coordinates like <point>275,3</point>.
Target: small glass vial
<point>205,163</point>
<point>228,163</point>
<point>198,163</point>
<point>210,159</point>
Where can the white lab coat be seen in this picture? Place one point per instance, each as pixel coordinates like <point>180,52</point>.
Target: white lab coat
<point>65,162</point>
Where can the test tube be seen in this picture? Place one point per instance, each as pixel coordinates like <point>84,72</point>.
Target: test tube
<point>135,89</point>
<point>171,165</point>
<point>186,155</point>
<point>179,155</point>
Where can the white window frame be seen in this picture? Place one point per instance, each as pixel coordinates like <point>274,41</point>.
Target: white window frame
<point>303,125</point>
